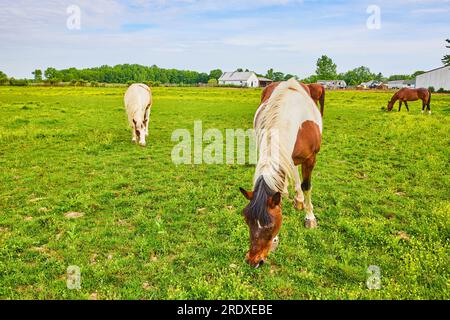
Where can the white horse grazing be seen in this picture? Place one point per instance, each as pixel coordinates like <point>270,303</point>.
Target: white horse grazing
<point>138,102</point>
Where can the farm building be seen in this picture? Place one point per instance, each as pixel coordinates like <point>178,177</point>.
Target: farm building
<point>437,78</point>
<point>243,79</point>
<point>409,83</point>
<point>400,84</point>
<point>264,82</point>
<point>395,84</point>
<point>372,84</point>
<point>333,84</point>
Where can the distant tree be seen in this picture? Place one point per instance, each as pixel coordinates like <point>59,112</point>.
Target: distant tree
<point>3,78</point>
<point>269,74</point>
<point>215,74</point>
<point>213,82</point>
<point>417,73</point>
<point>326,68</point>
<point>379,77</point>
<point>37,75</point>
<point>18,82</point>
<point>201,78</point>
<point>399,77</point>
<point>311,79</point>
<point>239,70</point>
<point>278,76</point>
<point>289,76</point>
<point>51,73</point>
<point>359,75</point>
<point>165,79</point>
<point>446,59</point>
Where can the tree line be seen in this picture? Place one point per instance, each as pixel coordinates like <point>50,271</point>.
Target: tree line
<point>124,73</point>
<point>326,69</point>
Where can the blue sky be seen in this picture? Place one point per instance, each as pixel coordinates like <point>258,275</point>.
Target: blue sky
<point>287,35</point>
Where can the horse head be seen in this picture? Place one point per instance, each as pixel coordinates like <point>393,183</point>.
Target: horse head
<point>263,216</point>
<point>390,105</point>
<point>140,131</point>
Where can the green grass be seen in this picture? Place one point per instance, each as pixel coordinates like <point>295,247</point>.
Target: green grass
<point>381,195</point>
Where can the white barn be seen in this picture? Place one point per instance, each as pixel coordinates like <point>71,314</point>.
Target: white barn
<point>437,78</point>
<point>240,79</point>
<point>395,84</point>
<point>400,84</point>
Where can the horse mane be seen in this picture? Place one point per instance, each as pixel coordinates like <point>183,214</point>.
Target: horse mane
<point>276,169</point>
<point>258,205</point>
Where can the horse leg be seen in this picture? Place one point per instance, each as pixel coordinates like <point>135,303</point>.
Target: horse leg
<point>299,201</point>
<point>147,120</point>
<point>406,105</point>
<point>423,106</point>
<point>134,139</point>
<point>400,106</point>
<point>428,108</point>
<point>307,168</point>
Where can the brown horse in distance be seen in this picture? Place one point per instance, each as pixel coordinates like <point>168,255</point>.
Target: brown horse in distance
<point>404,95</point>
<point>315,91</point>
<point>318,95</point>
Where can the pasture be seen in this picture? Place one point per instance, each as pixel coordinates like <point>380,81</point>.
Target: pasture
<point>143,228</point>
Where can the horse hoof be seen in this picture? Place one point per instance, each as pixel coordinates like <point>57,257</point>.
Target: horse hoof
<point>429,112</point>
<point>311,224</point>
<point>275,243</point>
<point>299,205</point>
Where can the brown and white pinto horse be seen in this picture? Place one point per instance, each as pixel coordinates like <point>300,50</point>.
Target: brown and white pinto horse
<point>404,95</point>
<point>288,127</point>
<point>315,91</point>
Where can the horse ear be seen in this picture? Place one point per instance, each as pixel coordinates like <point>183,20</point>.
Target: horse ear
<point>247,195</point>
<point>276,199</point>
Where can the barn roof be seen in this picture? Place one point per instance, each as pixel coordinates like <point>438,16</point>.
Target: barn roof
<point>407,81</point>
<point>447,66</point>
<point>236,76</point>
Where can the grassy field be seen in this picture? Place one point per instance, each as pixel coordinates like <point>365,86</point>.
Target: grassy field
<point>148,229</point>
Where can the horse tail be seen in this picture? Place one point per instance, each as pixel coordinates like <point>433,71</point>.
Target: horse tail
<point>429,98</point>
<point>322,101</point>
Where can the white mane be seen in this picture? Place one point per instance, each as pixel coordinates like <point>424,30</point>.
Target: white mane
<point>277,122</point>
